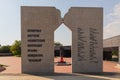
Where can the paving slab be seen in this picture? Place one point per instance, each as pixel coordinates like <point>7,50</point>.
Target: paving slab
<point>14,65</point>
<point>13,71</point>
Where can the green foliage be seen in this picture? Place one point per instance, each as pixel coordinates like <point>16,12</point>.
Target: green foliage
<point>5,49</point>
<point>1,65</point>
<point>57,44</point>
<point>16,48</point>
<point>115,52</point>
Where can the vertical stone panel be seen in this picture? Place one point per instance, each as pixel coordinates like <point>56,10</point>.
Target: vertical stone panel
<point>38,25</point>
<point>87,38</point>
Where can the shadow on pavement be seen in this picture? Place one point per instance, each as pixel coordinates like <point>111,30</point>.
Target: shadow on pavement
<point>73,76</point>
<point>62,76</point>
<point>2,69</point>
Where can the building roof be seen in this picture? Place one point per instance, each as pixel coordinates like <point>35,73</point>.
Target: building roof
<point>112,42</point>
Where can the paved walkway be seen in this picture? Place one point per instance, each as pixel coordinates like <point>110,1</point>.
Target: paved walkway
<point>14,65</point>
<point>108,66</point>
<point>73,76</point>
<point>61,72</point>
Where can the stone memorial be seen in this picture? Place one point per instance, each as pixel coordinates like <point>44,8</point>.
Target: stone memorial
<point>38,26</point>
<point>87,38</point>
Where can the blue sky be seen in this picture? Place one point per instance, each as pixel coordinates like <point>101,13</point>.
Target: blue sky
<point>10,23</point>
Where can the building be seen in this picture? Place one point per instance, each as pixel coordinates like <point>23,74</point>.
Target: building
<point>110,45</point>
<point>67,51</point>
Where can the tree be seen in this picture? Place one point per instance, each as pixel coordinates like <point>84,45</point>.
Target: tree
<point>115,52</point>
<point>57,44</point>
<point>5,49</point>
<point>16,48</point>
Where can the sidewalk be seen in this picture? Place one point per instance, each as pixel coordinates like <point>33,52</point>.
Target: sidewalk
<point>58,77</point>
<point>14,65</point>
<point>13,72</point>
<point>108,66</point>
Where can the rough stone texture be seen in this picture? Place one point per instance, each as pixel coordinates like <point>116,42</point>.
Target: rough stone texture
<point>87,38</point>
<point>38,25</point>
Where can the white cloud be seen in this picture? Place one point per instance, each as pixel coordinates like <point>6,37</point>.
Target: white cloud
<point>116,10</point>
<point>113,28</point>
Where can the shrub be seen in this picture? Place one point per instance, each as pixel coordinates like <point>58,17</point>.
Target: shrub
<point>16,48</point>
<point>5,49</point>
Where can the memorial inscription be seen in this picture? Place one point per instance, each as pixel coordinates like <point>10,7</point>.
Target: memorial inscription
<point>34,43</point>
<point>81,44</point>
<point>93,45</point>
